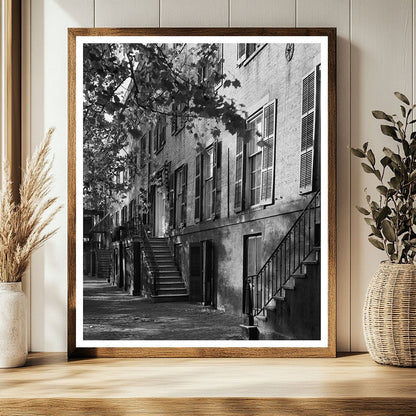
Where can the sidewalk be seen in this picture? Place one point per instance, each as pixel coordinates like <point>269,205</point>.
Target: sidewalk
<point>112,314</point>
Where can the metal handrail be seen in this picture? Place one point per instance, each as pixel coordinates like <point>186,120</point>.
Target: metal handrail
<point>298,243</point>
<point>136,227</point>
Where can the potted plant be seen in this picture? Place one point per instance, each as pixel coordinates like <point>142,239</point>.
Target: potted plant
<point>23,229</point>
<point>389,316</point>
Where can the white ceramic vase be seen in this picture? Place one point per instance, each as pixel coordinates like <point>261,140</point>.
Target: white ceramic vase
<point>13,325</point>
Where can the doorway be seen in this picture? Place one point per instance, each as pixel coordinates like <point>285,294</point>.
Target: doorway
<point>160,212</point>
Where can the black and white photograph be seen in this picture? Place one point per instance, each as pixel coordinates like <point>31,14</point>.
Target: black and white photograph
<point>202,183</point>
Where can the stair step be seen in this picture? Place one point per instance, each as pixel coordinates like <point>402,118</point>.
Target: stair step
<point>309,262</point>
<point>169,273</point>
<point>289,286</point>
<point>172,290</point>
<point>169,298</point>
<point>169,284</point>
<point>299,275</point>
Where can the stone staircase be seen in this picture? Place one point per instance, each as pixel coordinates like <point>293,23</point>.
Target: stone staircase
<point>294,312</point>
<point>170,286</point>
<point>104,263</point>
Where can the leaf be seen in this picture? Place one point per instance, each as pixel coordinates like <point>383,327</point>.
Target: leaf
<point>371,158</point>
<point>385,161</point>
<point>388,230</point>
<point>383,214</point>
<point>376,243</point>
<point>402,97</point>
<point>403,111</point>
<point>365,145</point>
<point>389,131</point>
<point>390,248</point>
<point>357,152</point>
<point>378,174</point>
<point>394,182</point>
<point>366,168</point>
<point>412,176</point>
<point>381,115</point>
<point>369,221</point>
<point>362,210</point>
<point>376,231</point>
<point>382,189</point>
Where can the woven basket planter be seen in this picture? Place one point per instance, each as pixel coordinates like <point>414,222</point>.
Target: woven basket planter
<point>390,315</point>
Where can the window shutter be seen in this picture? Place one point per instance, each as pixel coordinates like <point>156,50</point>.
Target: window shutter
<point>239,174</point>
<point>198,188</point>
<point>241,52</point>
<point>268,153</point>
<point>174,119</point>
<point>184,191</point>
<point>217,179</point>
<point>171,195</point>
<point>307,133</point>
<point>214,178</point>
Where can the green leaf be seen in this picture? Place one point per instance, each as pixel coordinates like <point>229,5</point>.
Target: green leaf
<point>388,230</point>
<point>376,231</point>
<point>367,169</point>
<point>382,214</point>
<point>376,243</point>
<point>369,221</point>
<point>365,145</point>
<point>362,210</point>
<point>412,176</point>
<point>381,115</point>
<point>371,158</point>
<point>389,131</point>
<point>402,97</point>
<point>382,189</point>
<point>385,161</point>
<point>403,111</point>
<point>378,174</point>
<point>357,152</point>
<point>394,182</point>
<point>390,248</point>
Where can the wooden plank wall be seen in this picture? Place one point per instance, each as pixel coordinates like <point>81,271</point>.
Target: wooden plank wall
<point>375,58</point>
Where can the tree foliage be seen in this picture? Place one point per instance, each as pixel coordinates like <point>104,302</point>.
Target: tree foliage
<point>392,216</point>
<point>129,88</point>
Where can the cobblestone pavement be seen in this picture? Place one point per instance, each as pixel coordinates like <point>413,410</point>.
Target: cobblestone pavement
<point>112,314</point>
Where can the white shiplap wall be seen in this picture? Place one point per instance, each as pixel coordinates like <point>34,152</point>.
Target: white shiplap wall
<point>375,55</point>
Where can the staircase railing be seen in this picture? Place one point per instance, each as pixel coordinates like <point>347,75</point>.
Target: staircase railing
<point>299,242</point>
<point>136,227</point>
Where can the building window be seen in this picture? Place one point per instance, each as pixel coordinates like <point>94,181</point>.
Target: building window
<point>210,72</point>
<point>160,135</point>
<point>123,215</point>
<point>246,50</point>
<point>255,160</point>
<point>177,119</point>
<point>309,120</point>
<point>254,153</point>
<point>181,179</point>
<point>207,196</point>
<point>208,175</point>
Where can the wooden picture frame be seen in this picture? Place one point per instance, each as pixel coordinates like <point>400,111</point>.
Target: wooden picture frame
<point>255,291</point>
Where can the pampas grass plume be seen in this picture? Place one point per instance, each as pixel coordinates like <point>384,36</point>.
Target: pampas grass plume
<point>24,224</point>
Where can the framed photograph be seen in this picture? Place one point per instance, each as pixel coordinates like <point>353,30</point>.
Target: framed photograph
<point>201,200</point>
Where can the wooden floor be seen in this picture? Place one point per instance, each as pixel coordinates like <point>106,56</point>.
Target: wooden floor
<point>347,385</point>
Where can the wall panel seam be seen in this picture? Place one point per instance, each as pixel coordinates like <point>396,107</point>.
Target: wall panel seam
<point>349,172</point>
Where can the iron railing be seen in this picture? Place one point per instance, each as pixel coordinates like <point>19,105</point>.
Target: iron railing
<point>135,227</point>
<point>299,242</point>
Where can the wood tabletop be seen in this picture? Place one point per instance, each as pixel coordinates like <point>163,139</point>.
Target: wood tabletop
<point>243,386</point>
